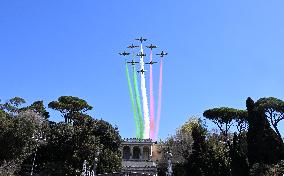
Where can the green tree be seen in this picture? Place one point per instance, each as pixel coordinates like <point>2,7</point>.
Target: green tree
<point>180,146</point>
<point>68,145</point>
<point>12,106</point>
<point>110,140</point>
<point>17,138</point>
<point>197,159</point>
<point>234,154</point>
<point>238,154</point>
<point>274,111</point>
<point>70,107</point>
<point>260,169</point>
<point>37,107</point>
<point>224,117</point>
<point>264,145</point>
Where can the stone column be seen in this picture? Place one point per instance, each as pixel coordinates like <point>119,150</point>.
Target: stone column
<point>141,153</point>
<point>131,151</point>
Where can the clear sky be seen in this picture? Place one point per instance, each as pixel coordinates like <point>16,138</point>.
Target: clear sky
<point>220,52</point>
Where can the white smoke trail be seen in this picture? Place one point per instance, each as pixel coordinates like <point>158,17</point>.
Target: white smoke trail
<point>144,98</point>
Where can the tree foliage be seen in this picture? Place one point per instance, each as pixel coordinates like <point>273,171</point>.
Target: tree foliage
<point>274,111</point>
<point>68,106</point>
<point>56,148</point>
<point>223,117</point>
<point>196,151</point>
<point>12,106</point>
<point>264,146</point>
<point>37,107</point>
<point>17,138</point>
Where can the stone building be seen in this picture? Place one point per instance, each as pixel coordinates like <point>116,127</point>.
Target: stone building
<point>137,159</point>
<point>137,156</point>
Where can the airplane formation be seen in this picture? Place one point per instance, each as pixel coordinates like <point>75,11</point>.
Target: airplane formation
<point>132,46</point>
<point>162,54</point>
<point>151,62</point>
<point>124,53</point>
<point>142,71</point>
<point>132,62</point>
<point>151,46</point>
<point>141,39</point>
<point>141,54</point>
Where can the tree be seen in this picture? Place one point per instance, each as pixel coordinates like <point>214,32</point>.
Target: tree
<point>274,111</point>
<point>260,169</point>
<point>17,140</point>
<point>238,154</point>
<point>70,107</point>
<point>12,106</point>
<point>38,107</point>
<point>180,146</point>
<point>197,160</point>
<point>264,145</point>
<point>224,117</point>
<point>110,140</point>
<point>234,154</point>
<point>67,147</point>
<point>195,151</point>
<point>218,161</point>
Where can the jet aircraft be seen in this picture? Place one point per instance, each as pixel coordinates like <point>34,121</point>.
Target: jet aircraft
<point>124,53</point>
<point>132,62</point>
<point>151,62</point>
<point>151,46</point>
<point>141,39</point>
<point>142,71</point>
<point>162,54</point>
<point>132,46</point>
<point>141,54</point>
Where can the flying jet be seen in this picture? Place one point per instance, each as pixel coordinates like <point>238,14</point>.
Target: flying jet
<point>141,39</point>
<point>124,53</point>
<point>151,46</point>
<point>132,46</point>
<point>162,54</point>
<point>141,54</point>
<point>142,71</point>
<point>132,62</point>
<point>151,62</point>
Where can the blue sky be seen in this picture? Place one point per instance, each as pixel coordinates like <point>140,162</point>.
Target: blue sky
<point>220,52</point>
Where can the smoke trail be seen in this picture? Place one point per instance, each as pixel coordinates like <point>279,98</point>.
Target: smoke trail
<point>159,99</point>
<point>144,99</point>
<point>132,102</point>
<point>152,107</point>
<point>138,104</point>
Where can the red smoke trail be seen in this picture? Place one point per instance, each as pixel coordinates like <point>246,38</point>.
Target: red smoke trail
<point>152,107</point>
<point>159,99</point>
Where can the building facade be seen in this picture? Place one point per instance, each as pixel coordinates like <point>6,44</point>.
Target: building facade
<point>137,156</point>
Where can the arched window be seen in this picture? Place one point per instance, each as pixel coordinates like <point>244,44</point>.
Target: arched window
<point>126,152</point>
<point>136,152</point>
<point>146,153</point>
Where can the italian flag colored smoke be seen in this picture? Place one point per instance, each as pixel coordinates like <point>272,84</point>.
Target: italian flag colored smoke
<point>144,98</point>
<point>159,99</point>
<point>138,104</point>
<point>132,102</point>
<point>152,105</point>
<point>146,116</point>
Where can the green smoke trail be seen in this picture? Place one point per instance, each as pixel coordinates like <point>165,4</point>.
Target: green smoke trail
<point>133,103</point>
<point>138,104</point>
